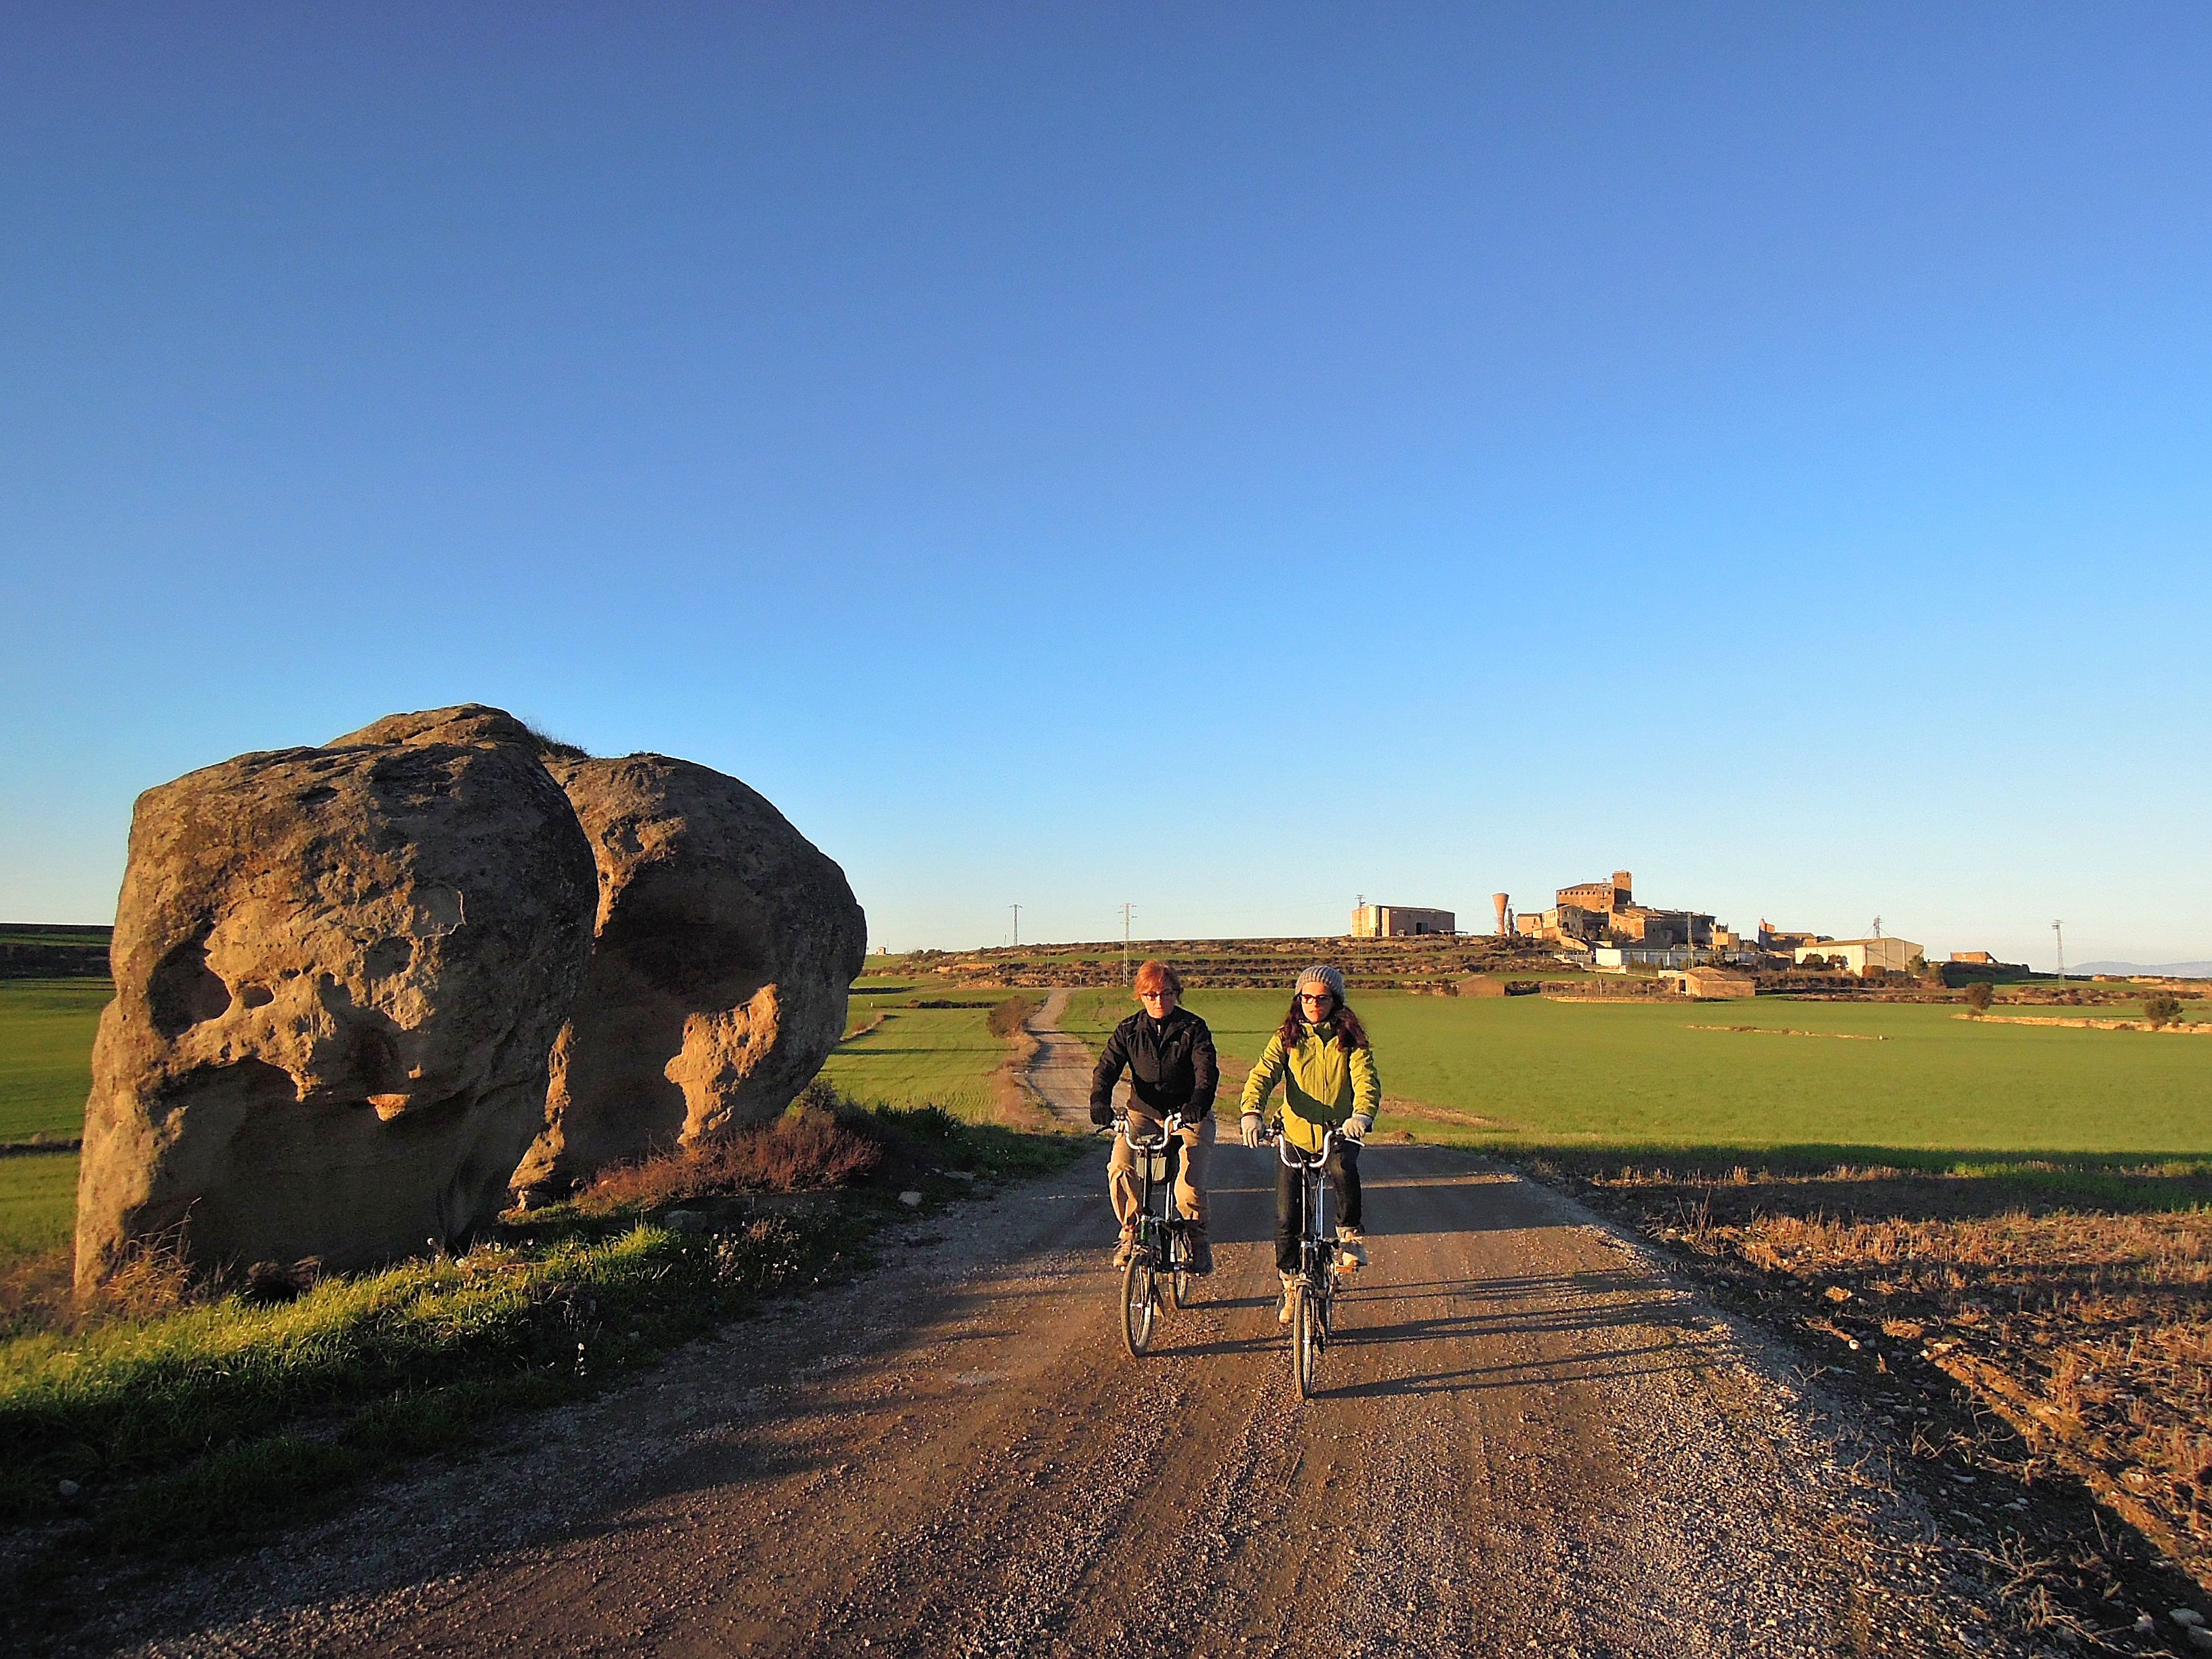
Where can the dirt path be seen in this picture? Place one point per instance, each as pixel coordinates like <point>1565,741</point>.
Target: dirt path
<point>1060,1071</point>
<point>1531,1443</point>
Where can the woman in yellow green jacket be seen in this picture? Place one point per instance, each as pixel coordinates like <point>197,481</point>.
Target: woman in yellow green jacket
<point>1322,1057</point>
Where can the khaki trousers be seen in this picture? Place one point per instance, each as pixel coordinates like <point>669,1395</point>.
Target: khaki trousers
<point>1122,1185</point>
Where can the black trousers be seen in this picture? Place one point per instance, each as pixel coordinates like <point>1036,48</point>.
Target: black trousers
<point>1343,1168</point>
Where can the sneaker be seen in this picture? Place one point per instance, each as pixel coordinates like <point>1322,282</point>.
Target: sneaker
<point>1351,1251</point>
<point>1201,1255</point>
<point>1127,1248</point>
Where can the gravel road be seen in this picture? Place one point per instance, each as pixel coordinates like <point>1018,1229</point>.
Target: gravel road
<point>1530,1441</point>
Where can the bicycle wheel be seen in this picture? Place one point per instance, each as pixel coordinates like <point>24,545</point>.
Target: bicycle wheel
<point>1138,1299</point>
<point>1179,1281</point>
<point>1305,1343</point>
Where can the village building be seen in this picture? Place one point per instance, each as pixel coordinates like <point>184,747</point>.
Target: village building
<point>1401,921</point>
<point>1784,941</point>
<point>1606,912</point>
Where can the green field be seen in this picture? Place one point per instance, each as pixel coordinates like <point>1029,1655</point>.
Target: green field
<point>17,932</point>
<point>45,1054</point>
<point>919,1056</point>
<point>1541,1074</point>
<point>38,1202</point>
<point>1566,1074</point>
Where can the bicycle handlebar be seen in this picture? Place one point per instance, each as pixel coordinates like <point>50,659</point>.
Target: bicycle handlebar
<point>1168,1130</point>
<point>1284,1147</point>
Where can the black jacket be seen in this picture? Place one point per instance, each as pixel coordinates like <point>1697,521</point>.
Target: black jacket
<point>1170,1064</point>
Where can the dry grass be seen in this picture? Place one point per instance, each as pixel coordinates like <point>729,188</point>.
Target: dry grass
<point>2075,1301</point>
<point>808,1149</point>
<point>1020,1106</point>
<point>37,1293</point>
<point>2093,1334</point>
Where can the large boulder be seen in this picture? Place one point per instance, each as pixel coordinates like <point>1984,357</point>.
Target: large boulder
<point>338,976</point>
<point>726,943</point>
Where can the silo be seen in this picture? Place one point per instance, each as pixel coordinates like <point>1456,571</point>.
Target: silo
<point>1503,902</point>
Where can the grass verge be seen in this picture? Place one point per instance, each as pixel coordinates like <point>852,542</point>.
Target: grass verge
<point>195,1428</point>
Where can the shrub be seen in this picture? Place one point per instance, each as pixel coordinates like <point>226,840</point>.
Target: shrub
<point>808,1148</point>
<point>2163,1009</point>
<point>1008,1017</point>
<point>1979,996</point>
<point>547,745</point>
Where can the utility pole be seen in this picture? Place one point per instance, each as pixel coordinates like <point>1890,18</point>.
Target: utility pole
<point>1126,911</point>
<point>1017,910</point>
<point>1877,927</point>
<point>2057,932</point>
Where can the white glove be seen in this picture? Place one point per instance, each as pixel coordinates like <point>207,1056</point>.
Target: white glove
<point>1357,1125</point>
<point>1251,1128</point>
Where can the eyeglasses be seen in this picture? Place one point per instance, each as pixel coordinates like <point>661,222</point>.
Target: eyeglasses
<point>1154,996</point>
<point>1316,996</point>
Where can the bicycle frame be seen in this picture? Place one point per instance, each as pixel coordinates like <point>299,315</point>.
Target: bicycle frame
<point>1162,1244</point>
<point>1314,1313</point>
<point>1317,1251</point>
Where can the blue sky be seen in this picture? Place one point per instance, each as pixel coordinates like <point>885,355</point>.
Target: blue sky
<point>1227,459</point>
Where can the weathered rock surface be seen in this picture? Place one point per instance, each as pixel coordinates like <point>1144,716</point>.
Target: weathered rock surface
<point>725,944</point>
<point>338,975</point>
<point>467,722</point>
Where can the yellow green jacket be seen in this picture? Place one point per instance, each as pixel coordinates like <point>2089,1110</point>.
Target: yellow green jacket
<point>1323,1084</point>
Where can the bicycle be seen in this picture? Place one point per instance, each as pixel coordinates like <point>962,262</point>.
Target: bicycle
<point>1313,1315</point>
<point>1162,1247</point>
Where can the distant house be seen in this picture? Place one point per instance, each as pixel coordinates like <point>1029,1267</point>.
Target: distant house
<point>1399,921</point>
<point>1857,956</point>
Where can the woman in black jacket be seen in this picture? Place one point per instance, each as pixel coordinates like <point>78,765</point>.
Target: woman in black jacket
<point>1168,1054</point>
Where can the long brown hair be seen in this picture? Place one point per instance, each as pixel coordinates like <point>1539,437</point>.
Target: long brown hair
<point>1350,1033</point>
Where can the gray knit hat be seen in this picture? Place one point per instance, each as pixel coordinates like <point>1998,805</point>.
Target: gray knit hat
<point>1326,977</point>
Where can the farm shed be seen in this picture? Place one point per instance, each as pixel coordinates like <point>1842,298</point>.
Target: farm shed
<point>1857,955</point>
<point>1619,959</point>
<point>1713,984</point>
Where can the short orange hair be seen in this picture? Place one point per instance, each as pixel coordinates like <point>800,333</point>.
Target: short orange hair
<point>1157,976</point>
